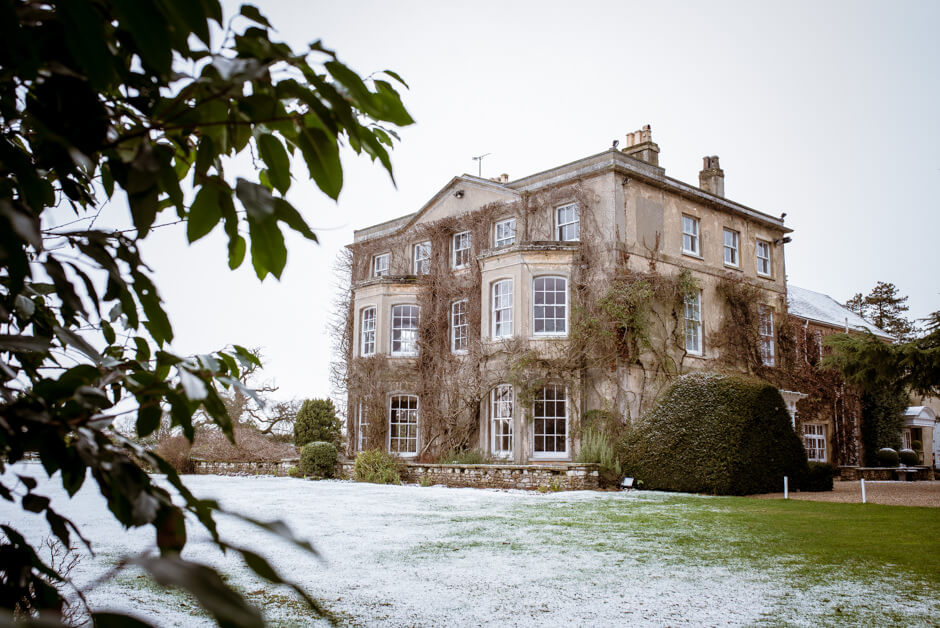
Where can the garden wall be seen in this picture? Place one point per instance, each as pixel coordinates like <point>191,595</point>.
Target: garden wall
<point>559,477</point>
<point>876,474</point>
<point>281,467</point>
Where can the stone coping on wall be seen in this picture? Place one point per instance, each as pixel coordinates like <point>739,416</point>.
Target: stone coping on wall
<point>883,474</point>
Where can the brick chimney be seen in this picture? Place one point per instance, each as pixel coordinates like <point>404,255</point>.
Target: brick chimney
<point>712,177</point>
<point>640,146</point>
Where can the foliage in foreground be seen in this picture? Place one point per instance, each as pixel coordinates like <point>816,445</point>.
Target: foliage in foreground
<point>106,99</point>
<point>316,421</point>
<point>715,433</point>
<point>318,459</point>
<point>378,467</point>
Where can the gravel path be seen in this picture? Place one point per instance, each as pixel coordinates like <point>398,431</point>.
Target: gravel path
<point>925,493</point>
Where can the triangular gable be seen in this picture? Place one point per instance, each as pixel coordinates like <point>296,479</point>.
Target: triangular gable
<point>462,194</point>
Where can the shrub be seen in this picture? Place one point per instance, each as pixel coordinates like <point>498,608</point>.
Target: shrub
<point>909,457</point>
<point>250,445</point>
<point>715,433</point>
<point>597,447</point>
<point>294,472</point>
<point>176,450</point>
<point>916,445</point>
<point>316,421</point>
<point>465,456</point>
<point>818,478</point>
<point>318,459</point>
<point>887,457</point>
<point>378,467</point>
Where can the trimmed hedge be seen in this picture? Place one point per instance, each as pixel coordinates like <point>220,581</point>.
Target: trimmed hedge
<point>908,457</point>
<point>819,477</point>
<point>316,421</point>
<point>318,459</point>
<point>715,433</point>
<point>887,457</point>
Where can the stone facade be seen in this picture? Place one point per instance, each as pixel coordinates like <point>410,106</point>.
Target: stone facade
<point>617,208</point>
<point>555,477</point>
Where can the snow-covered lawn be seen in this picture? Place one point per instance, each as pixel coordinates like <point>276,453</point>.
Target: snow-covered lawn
<point>407,555</point>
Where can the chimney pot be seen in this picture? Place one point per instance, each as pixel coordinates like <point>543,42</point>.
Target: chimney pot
<point>640,146</point>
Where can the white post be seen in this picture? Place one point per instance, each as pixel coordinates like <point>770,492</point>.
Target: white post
<point>786,487</point>
<point>863,490</point>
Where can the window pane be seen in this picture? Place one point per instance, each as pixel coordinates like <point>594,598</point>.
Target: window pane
<point>693,323</point>
<point>690,235</point>
<point>505,233</point>
<point>461,248</point>
<point>422,258</point>
<point>367,327</point>
<point>380,265</point>
<point>767,335</point>
<point>502,309</point>
<point>459,335</point>
<point>550,299</point>
<point>569,223</point>
<point>550,414</point>
<point>403,424</point>
<point>731,247</point>
<point>501,419</point>
<point>405,330</point>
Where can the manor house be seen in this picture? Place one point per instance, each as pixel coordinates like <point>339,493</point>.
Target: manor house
<point>505,315</point>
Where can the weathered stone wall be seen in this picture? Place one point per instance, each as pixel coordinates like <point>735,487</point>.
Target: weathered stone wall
<point>281,467</point>
<point>563,477</point>
<point>557,477</point>
<point>882,474</point>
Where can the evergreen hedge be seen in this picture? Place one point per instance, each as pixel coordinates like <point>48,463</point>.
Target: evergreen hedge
<point>715,433</point>
<point>316,421</point>
<point>318,459</point>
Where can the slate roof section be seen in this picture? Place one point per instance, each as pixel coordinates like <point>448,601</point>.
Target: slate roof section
<point>821,308</point>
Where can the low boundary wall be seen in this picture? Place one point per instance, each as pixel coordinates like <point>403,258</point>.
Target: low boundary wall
<point>555,477</point>
<point>875,474</point>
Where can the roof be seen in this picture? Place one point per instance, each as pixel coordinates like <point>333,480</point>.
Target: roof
<point>821,308</point>
<point>919,416</point>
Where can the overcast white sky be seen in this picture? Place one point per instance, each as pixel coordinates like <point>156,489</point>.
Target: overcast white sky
<point>825,110</point>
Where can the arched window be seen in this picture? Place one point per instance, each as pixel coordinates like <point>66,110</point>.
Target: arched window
<point>405,330</point>
<point>550,306</point>
<point>550,422</point>
<point>403,425</point>
<point>501,420</point>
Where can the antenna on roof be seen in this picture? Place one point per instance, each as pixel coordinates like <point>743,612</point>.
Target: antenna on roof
<point>479,161</point>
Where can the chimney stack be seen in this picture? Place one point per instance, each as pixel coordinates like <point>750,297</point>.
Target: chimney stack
<point>712,177</point>
<point>640,146</point>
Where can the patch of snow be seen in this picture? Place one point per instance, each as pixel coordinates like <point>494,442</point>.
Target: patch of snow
<point>822,308</point>
<point>407,555</point>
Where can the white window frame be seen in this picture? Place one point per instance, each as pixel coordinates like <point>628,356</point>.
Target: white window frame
<point>459,327</point>
<point>568,223</point>
<point>501,307</point>
<point>693,324</point>
<point>762,262</point>
<point>380,265</point>
<point>422,258</point>
<point>367,331</point>
<point>501,420</point>
<point>406,347</point>
<point>396,437</point>
<point>460,245</point>
<point>766,330</point>
<point>546,307</point>
<point>691,240</point>
<point>504,232</point>
<point>814,441</point>
<point>732,251</point>
<point>362,425</point>
<point>539,423</point>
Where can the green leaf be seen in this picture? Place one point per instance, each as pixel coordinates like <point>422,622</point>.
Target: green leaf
<point>204,214</point>
<point>285,212</point>
<point>236,252</point>
<point>193,386</point>
<point>227,606</point>
<point>148,419</point>
<point>274,155</point>
<point>253,14</point>
<point>24,344</point>
<point>322,156</point>
<point>256,198</point>
<point>85,39</point>
<point>108,332</point>
<point>143,349</point>
<point>149,30</point>
<point>268,252</point>
<point>245,356</point>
